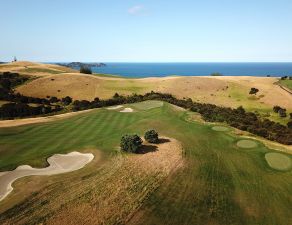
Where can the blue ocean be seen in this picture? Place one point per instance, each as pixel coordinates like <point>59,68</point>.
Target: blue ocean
<point>195,69</point>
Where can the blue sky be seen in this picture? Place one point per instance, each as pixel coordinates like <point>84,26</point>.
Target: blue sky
<point>146,31</point>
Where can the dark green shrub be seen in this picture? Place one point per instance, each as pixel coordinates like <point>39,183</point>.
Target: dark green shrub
<point>85,69</point>
<point>67,100</point>
<point>216,74</point>
<point>276,108</point>
<point>130,143</point>
<point>253,91</point>
<point>282,113</point>
<point>151,136</point>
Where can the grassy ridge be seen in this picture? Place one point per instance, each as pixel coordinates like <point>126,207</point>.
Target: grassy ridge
<point>220,183</point>
<point>286,83</point>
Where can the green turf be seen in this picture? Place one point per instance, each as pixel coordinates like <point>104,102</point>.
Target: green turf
<point>286,83</point>
<point>219,184</point>
<point>220,128</point>
<point>246,144</point>
<point>278,161</point>
<point>147,105</point>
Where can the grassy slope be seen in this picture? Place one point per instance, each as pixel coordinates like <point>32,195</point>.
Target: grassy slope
<point>286,83</point>
<point>202,89</point>
<point>220,184</point>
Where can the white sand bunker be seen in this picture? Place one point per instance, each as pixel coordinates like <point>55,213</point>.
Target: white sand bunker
<point>59,163</point>
<point>246,144</point>
<point>115,107</point>
<point>278,161</point>
<point>220,128</point>
<point>127,110</point>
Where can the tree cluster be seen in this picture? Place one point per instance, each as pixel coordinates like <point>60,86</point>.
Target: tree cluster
<point>132,143</point>
<point>286,78</point>
<point>9,80</point>
<point>19,104</point>
<point>13,110</point>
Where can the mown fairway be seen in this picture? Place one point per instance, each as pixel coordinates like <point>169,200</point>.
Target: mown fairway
<point>219,183</point>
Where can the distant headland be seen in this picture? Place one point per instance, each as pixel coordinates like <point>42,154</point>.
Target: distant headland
<point>80,64</point>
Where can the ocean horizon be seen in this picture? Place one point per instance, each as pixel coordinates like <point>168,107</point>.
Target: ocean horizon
<point>146,69</point>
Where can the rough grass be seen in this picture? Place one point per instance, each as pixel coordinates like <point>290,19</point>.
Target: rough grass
<point>278,161</point>
<point>39,70</point>
<point>219,184</point>
<point>286,83</point>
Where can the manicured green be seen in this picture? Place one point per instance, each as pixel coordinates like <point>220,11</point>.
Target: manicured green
<point>246,144</point>
<point>220,128</point>
<point>278,161</point>
<point>219,183</point>
<point>151,104</point>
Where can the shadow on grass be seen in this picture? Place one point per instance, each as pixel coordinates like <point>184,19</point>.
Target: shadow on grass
<point>151,148</point>
<point>163,140</point>
<point>146,149</point>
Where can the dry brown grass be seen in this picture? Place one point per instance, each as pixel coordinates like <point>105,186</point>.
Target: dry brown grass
<point>225,91</point>
<point>109,195</point>
<point>34,69</point>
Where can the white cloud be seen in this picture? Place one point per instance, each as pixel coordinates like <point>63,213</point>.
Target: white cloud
<point>136,10</point>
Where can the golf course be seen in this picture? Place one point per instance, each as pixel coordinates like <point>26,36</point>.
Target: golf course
<point>146,112</point>
<point>199,173</point>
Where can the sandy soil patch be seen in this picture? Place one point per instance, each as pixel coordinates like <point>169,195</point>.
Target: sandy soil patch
<point>246,144</point>
<point>59,163</point>
<point>278,161</point>
<point>20,122</point>
<point>220,128</point>
<point>115,107</point>
<point>127,110</point>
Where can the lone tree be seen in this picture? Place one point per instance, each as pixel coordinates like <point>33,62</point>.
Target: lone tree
<point>85,69</point>
<point>131,143</point>
<point>253,91</point>
<point>151,136</point>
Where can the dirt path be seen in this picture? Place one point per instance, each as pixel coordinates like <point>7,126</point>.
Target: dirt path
<point>20,122</point>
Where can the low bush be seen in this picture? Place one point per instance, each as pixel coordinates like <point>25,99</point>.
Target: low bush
<point>253,91</point>
<point>85,69</point>
<point>130,143</point>
<point>151,136</point>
